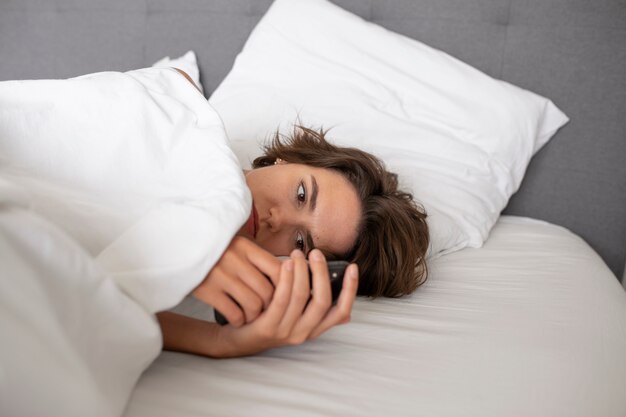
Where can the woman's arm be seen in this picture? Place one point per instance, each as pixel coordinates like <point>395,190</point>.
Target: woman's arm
<point>292,317</point>
<point>186,334</point>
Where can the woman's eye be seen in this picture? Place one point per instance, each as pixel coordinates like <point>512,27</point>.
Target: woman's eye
<point>300,242</point>
<point>301,192</point>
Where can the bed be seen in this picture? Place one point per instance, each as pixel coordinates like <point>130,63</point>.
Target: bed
<point>531,322</point>
<point>448,349</point>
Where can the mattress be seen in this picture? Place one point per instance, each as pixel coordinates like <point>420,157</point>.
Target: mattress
<point>531,324</point>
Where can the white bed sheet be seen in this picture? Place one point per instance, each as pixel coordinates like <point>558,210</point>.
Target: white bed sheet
<point>532,324</point>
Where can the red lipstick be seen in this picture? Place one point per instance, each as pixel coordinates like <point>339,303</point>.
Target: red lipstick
<point>252,225</point>
<point>255,216</point>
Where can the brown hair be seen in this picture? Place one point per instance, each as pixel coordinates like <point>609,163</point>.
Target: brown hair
<point>393,234</point>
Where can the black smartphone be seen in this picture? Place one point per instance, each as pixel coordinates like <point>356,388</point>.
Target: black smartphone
<point>336,271</point>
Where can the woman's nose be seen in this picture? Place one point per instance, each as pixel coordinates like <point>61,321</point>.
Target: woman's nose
<point>279,218</point>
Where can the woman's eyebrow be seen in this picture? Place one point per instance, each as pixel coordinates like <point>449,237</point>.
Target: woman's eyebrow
<point>313,200</point>
<point>312,203</point>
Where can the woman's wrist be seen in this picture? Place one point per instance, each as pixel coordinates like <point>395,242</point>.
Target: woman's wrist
<point>189,335</point>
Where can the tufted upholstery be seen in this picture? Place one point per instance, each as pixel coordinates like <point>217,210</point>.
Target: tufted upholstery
<point>572,51</point>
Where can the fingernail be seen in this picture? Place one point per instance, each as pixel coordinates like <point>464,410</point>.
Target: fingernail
<point>354,271</point>
<point>289,265</point>
<point>297,253</point>
<point>316,255</point>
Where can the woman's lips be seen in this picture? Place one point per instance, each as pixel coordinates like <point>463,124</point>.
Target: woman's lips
<point>255,216</point>
<point>252,225</point>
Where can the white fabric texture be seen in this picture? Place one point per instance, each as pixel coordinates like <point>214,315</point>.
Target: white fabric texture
<point>129,193</point>
<point>459,139</point>
<point>73,343</point>
<point>186,62</point>
<point>531,324</point>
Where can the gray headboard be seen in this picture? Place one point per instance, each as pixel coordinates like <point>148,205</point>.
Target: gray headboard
<point>571,51</point>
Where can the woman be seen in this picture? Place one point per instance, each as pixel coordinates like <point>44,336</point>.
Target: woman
<point>309,197</point>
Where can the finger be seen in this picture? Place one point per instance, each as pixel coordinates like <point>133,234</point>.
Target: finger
<point>257,282</point>
<point>208,293</point>
<point>248,300</point>
<point>230,310</point>
<point>322,298</point>
<point>202,293</point>
<point>300,294</point>
<point>267,263</point>
<point>282,296</point>
<point>321,280</point>
<point>340,313</point>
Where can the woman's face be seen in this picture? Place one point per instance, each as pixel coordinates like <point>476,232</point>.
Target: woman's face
<point>303,207</point>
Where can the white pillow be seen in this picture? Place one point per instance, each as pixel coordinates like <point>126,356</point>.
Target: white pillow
<point>459,139</point>
<point>187,63</point>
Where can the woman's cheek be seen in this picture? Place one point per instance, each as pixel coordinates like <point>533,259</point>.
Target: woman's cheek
<point>275,245</point>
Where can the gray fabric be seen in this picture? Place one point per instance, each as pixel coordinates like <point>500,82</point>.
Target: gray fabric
<point>572,51</point>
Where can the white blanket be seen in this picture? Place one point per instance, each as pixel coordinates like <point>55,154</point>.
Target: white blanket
<point>118,193</point>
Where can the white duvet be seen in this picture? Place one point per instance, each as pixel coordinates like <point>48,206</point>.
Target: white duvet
<point>118,192</point>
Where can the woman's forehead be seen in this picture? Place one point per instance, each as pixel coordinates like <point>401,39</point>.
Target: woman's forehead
<point>337,214</point>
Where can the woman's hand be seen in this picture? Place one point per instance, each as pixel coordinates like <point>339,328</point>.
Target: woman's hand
<point>241,283</point>
<point>293,316</point>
